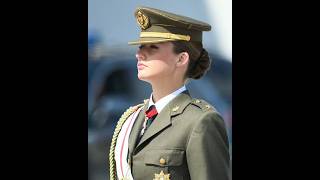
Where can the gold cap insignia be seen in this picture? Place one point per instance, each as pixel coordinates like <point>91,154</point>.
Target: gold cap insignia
<point>142,20</point>
<point>161,176</point>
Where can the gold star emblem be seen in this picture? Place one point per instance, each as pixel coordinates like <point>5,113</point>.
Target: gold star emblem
<point>175,108</point>
<point>142,20</point>
<point>161,176</point>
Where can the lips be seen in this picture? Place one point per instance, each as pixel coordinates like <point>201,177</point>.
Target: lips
<point>141,66</point>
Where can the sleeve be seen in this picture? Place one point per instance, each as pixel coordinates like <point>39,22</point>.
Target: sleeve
<point>207,149</point>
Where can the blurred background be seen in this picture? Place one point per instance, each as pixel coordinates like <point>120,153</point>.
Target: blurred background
<point>113,85</point>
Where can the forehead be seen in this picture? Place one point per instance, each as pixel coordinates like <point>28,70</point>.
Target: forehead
<point>161,44</point>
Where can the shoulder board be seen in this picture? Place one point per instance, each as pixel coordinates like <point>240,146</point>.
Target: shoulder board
<point>202,104</point>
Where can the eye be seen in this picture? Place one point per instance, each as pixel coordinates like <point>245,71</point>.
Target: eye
<point>154,47</point>
<point>142,46</point>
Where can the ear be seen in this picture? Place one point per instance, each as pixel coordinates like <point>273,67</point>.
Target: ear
<point>183,59</point>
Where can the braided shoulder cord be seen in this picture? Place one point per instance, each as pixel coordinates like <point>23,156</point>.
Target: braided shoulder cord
<point>120,123</point>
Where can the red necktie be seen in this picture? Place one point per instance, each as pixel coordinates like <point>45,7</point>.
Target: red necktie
<point>151,113</point>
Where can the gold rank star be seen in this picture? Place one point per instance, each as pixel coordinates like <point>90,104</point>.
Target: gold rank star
<point>161,176</point>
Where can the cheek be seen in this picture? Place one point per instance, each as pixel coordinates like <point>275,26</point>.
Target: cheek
<point>163,66</point>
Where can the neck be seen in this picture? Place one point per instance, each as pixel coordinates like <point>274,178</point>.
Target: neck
<point>162,89</point>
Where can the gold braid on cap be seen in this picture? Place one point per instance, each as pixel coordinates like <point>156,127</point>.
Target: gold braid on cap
<point>165,35</point>
<point>122,120</point>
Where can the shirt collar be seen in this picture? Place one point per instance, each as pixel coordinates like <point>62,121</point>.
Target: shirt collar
<point>165,100</point>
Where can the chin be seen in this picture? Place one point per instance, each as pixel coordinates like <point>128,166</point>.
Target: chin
<point>143,77</point>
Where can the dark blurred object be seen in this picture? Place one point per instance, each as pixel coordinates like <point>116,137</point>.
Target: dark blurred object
<point>221,75</point>
<point>113,87</point>
<point>96,48</point>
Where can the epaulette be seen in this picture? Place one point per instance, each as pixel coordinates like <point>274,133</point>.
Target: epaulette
<point>202,104</point>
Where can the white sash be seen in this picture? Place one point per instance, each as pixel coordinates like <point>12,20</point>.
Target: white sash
<point>121,149</point>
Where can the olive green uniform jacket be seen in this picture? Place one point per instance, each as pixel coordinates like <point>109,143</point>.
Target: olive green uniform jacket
<point>187,140</point>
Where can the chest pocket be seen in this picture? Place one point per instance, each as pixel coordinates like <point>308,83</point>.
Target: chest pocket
<point>164,157</point>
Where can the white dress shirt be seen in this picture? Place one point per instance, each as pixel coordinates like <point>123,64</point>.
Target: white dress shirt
<point>165,100</point>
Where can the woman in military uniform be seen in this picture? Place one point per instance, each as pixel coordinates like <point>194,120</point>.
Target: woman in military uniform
<point>171,135</point>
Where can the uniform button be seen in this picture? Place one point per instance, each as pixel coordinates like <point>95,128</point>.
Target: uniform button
<point>162,161</point>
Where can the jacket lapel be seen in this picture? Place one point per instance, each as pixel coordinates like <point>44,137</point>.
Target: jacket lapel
<point>163,120</point>
<point>137,126</point>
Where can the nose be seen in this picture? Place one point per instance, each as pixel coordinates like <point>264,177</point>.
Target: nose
<point>140,55</point>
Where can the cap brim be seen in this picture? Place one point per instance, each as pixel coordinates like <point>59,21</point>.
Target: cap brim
<point>150,41</point>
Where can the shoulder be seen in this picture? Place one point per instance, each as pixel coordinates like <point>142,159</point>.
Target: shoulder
<point>204,113</point>
<point>130,111</point>
<point>203,105</point>
<point>134,108</point>
<point>200,107</point>
<point>198,111</point>
<point>207,121</point>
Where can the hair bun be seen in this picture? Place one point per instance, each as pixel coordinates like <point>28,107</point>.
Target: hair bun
<point>201,65</point>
